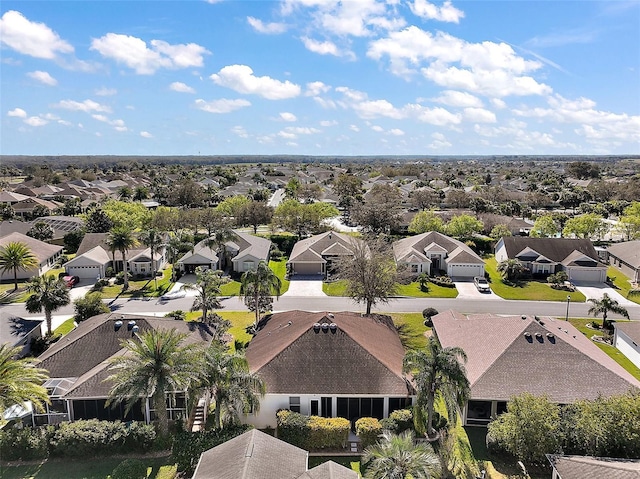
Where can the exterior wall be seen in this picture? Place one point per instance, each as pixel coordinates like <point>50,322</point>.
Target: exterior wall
<point>465,270</point>
<point>626,268</point>
<point>501,252</point>
<point>418,268</point>
<point>307,268</point>
<point>627,347</point>
<point>594,275</point>
<point>239,262</point>
<point>36,271</point>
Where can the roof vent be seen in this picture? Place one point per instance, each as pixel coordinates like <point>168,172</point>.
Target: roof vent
<point>289,323</point>
<point>333,327</point>
<point>527,334</point>
<point>538,335</point>
<point>550,335</point>
<point>117,325</point>
<point>316,327</point>
<point>135,329</point>
<point>325,327</point>
<point>523,316</point>
<point>330,315</point>
<point>130,325</point>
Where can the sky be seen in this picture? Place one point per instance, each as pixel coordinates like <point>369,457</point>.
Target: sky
<point>320,77</point>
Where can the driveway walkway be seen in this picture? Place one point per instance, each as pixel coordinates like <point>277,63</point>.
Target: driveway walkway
<point>596,290</point>
<point>468,290</point>
<point>300,286</point>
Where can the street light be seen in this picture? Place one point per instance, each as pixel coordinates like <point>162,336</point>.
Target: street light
<point>568,301</point>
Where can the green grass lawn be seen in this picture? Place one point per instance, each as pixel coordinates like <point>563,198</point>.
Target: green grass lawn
<point>411,329</point>
<point>157,468</point>
<point>280,269</point>
<point>143,288</point>
<point>64,328</point>
<point>622,283</point>
<point>339,288</point>
<point>527,290</point>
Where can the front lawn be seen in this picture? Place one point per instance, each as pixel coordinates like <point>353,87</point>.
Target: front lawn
<point>140,288</point>
<point>532,290</point>
<point>279,267</point>
<point>411,329</point>
<point>622,284</point>
<point>339,288</point>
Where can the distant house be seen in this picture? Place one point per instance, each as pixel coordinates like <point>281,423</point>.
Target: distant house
<point>512,355</point>
<point>16,331</point>
<point>328,364</point>
<point>78,367</point>
<point>26,207</point>
<point>316,255</point>
<point>626,257</point>
<point>46,255</point>
<point>586,467</point>
<point>544,256</point>
<point>627,339</point>
<point>256,455</point>
<point>433,252</point>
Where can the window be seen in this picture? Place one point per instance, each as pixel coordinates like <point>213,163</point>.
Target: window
<point>414,268</point>
<point>398,403</point>
<point>327,406</point>
<point>294,403</point>
<point>314,407</point>
<point>247,266</point>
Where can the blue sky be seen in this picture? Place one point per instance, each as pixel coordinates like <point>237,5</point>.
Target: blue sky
<point>320,77</point>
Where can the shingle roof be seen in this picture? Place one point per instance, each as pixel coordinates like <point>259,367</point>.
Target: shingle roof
<point>14,329</point>
<point>585,467</point>
<point>252,455</point>
<point>43,251</point>
<point>252,245</point>
<point>330,470</point>
<point>200,250</point>
<point>432,240</point>
<point>91,240</point>
<point>320,243</point>
<point>629,252</point>
<point>503,362</point>
<point>630,328</point>
<point>363,356</point>
<point>556,249</point>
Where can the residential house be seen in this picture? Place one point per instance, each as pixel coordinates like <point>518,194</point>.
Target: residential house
<point>16,331</point>
<point>433,252</point>
<point>257,455</point>
<point>328,364</point>
<point>585,467</point>
<point>544,256</point>
<point>25,208</point>
<point>317,255</point>
<point>626,257</point>
<point>79,365</point>
<point>46,255</point>
<point>626,338</point>
<point>512,355</point>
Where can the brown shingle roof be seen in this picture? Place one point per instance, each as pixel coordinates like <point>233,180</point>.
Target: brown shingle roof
<point>320,243</point>
<point>42,251</point>
<point>91,240</point>
<point>556,249</point>
<point>329,470</point>
<point>433,240</point>
<point>584,467</point>
<point>363,356</point>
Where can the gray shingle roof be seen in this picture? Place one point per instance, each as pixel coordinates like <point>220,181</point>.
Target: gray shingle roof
<point>320,243</point>
<point>416,245</point>
<point>556,249</point>
<point>329,470</point>
<point>585,467</point>
<point>630,328</point>
<point>629,252</point>
<point>14,329</point>
<point>42,251</point>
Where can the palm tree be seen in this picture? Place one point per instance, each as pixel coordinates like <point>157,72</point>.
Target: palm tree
<point>233,387</point>
<point>155,363</point>
<point>217,240</point>
<point>154,241</point>
<point>605,305</point>
<point>208,283</point>
<point>510,269</point>
<point>122,239</point>
<point>15,256</point>
<point>20,380</point>
<point>258,286</point>
<point>48,293</point>
<point>398,457</point>
<point>438,373</point>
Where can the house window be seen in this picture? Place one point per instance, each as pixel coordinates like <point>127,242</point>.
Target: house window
<point>414,268</point>
<point>247,266</point>
<point>327,409</point>
<point>398,403</point>
<point>294,403</point>
<point>478,412</point>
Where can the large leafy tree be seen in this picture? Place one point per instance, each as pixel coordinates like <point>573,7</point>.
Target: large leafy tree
<point>47,293</point>
<point>381,211</point>
<point>544,227</point>
<point>122,239</point>
<point>300,218</point>
<point>156,362</point>
<point>438,373</point>
<point>255,214</point>
<point>399,457</point>
<point>604,306</point>
<point>588,225</point>
<point>15,256</point>
<point>20,379</point>
<point>207,287</point>
<point>463,226</point>
<point>258,286</point>
<point>425,221</point>
<point>41,231</point>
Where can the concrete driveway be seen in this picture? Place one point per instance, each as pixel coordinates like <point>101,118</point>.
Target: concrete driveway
<point>596,290</point>
<point>300,286</point>
<point>468,290</point>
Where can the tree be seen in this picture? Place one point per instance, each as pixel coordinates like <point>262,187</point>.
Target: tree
<point>140,193</point>
<point>20,379</point>
<point>41,231</point>
<point>71,207</point>
<point>232,206</point>
<point>370,273</point>
<point>234,389</point>
<point>349,190</point>
<point>48,293</point>
<point>258,286</point>
<point>544,227</point>
<point>129,215</point>
<point>15,256</point>
<point>217,240</point>
<point>424,198</point>
<point>425,221</point>
<point>294,216</point>
<point>629,222</point>
<point>255,214</point>
<point>155,363</point>
<point>458,198</point>
<point>529,428</point>
<point>72,240</point>
<point>399,457</point>
<point>500,231</point>
<point>152,239</point>
<point>510,269</point>
<point>125,193</point>
<point>463,226</point>
<point>187,194</point>
<point>604,306</point>
<point>98,222</point>
<point>6,212</point>
<point>589,225</point>
<point>381,211</point>
<point>88,306</point>
<point>207,286</point>
<point>122,239</point>
<point>438,373</point>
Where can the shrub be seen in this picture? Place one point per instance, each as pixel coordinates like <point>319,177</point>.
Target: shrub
<point>292,427</point>
<point>109,272</point>
<point>100,284</point>
<point>120,277</point>
<point>368,430</point>
<point>398,421</point>
<point>178,315</point>
<point>130,469</point>
<point>89,305</point>
<point>327,433</point>
<point>276,254</point>
<point>443,281</point>
<point>284,242</point>
<point>24,443</point>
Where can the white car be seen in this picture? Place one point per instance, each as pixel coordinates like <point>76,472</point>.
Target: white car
<point>482,284</point>
<point>175,295</point>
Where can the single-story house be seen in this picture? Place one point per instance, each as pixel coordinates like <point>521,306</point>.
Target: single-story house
<point>46,255</point>
<point>79,365</point>
<point>433,252</point>
<point>627,339</point>
<point>512,355</point>
<point>16,331</point>
<point>626,257</point>
<point>26,207</point>
<point>328,364</point>
<point>200,256</point>
<point>585,467</point>
<point>316,254</point>
<point>257,455</point>
<point>544,256</point>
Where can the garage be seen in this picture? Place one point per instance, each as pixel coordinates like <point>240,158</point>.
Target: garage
<point>306,268</point>
<point>465,270</point>
<point>89,265</point>
<point>84,272</point>
<point>587,275</point>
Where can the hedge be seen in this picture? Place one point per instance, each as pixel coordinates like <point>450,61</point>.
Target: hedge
<point>368,429</point>
<point>130,469</point>
<point>24,444</point>
<point>312,432</point>
<point>398,421</point>
<point>293,427</point>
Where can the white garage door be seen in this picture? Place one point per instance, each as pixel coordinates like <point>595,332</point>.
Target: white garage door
<point>86,272</point>
<point>587,275</point>
<point>465,270</point>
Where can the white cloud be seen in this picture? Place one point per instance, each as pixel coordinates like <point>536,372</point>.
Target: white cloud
<point>221,106</point>
<point>479,115</point>
<point>302,130</point>
<point>240,78</point>
<point>146,60</point>
<point>354,128</point>
<point>327,123</point>
<point>17,112</point>
<point>377,128</point>
<point>498,103</point>
<point>396,132</point>
<point>439,142</point>
<point>43,77</point>
<point>181,87</point>
<point>446,13</point>
<point>316,88</point>
<point>86,106</point>
<point>286,116</point>
<point>35,121</point>
<point>31,38</point>
<point>266,28</point>
<point>322,48</point>
<point>146,134</point>
<point>436,116</point>
<point>118,125</point>
<point>240,131</point>
<point>104,91</point>
<point>459,99</point>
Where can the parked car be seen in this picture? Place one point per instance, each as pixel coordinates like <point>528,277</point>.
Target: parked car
<point>70,281</point>
<point>482,284</point>
<point>175,295</point>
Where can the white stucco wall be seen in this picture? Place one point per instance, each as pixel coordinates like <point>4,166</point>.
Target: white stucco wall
<point>626,346</point>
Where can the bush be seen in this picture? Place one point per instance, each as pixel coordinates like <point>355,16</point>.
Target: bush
<point>24,444</point>
<point>368,429</point>
<point>120,277</point>
<point>443,281</point>
<point>398,421</point>
<point>130,469</point>
<point>293,427</point>
<point>100,284</point>
<point>276,254</point>
<point>328,432</point>
<point>109,272</point>
<point>178,315</point>
<point>284,242</point>
<point>90,305</point>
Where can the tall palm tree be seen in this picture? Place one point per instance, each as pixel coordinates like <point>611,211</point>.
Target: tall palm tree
<point>48,293</point>
<point>154,240</point>
<point>156,363</point>
<point>604,306</point>
<point>207,285</point>
<point>399,457</point>
<point>20,380</point>
<point>122,239</point>
<point>438,373</point>
<point>15,256</point>
<point>258,286</point>
<point>216,241</point>
<point>233,387</point>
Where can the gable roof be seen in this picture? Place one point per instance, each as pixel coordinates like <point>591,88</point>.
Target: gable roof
<point>330,470</point>
<point>14,329</point>
<point>362,356</point>
<point>200,252</point>
<point>581,467</point>
<point>91,240</point>
<point>332,242</point>
<point>629,252</point>
<point>41,250</point>
<point>434,241</point>
<point>556,249</point>
<point>554,359</point>
<point>95,255</point>
<point>251,245</point>
<point>630,328</point>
